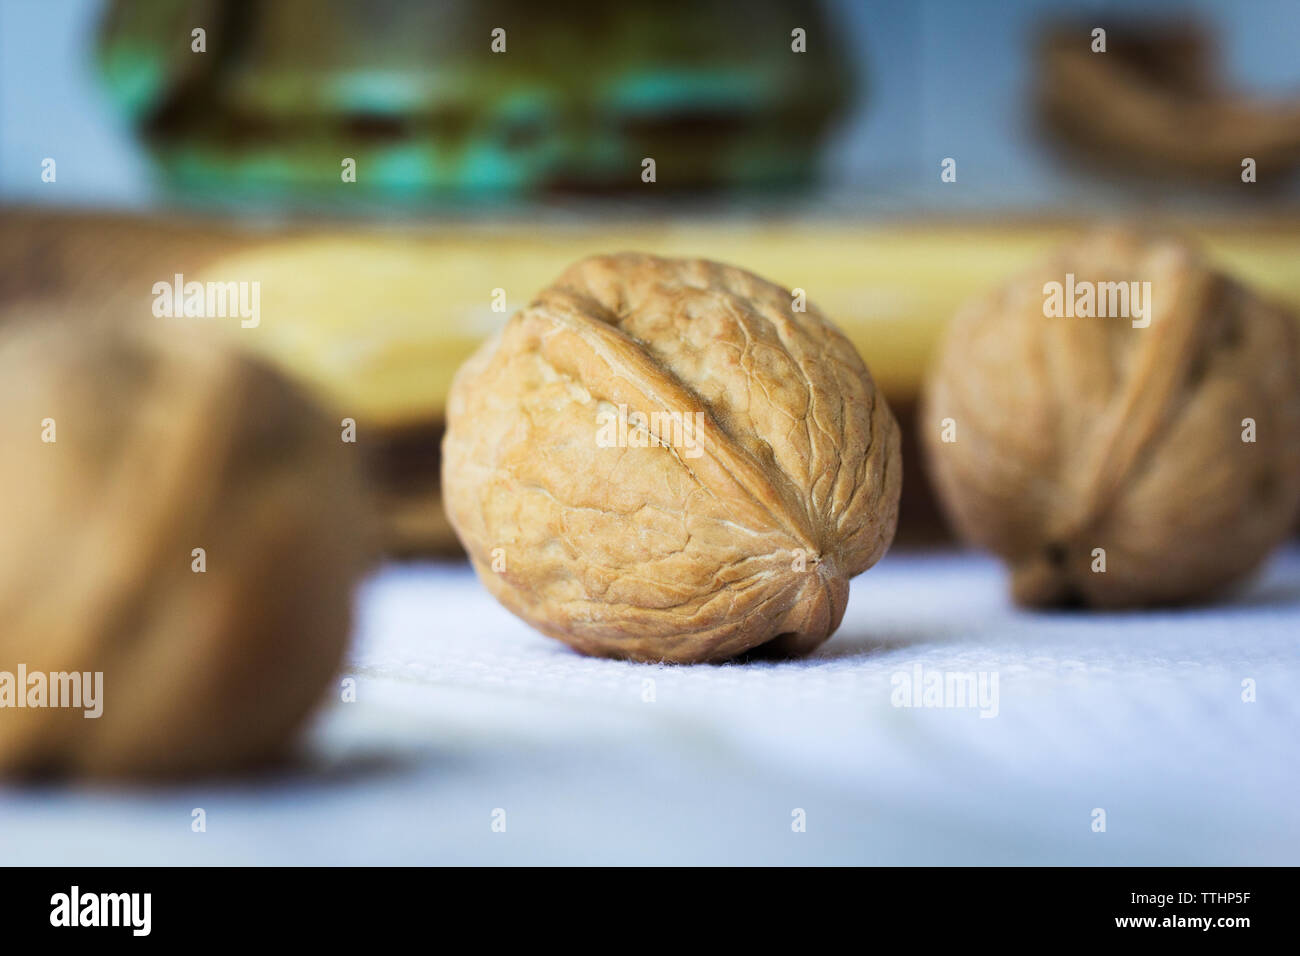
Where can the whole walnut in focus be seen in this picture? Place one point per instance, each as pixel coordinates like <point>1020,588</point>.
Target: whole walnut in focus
<point>1109,464</point>
<point>661,459</point>
<point>124,451</point>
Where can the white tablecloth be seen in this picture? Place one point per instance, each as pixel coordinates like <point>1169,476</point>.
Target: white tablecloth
<point>462,711</point>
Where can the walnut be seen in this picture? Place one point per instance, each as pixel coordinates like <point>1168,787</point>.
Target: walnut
<point>1119,460</point>
<point>1157,104</point>
<point>662,459</point>
<point>125,451</point>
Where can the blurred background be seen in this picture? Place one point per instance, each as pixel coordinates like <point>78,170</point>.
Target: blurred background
<point>381,168</point>
<point>805,142</point>
<point>413,91</point>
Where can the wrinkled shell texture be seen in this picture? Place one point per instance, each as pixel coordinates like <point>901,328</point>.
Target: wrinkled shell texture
<point>1077,433</point>
<point>671,552</point>
<point>165,444</point>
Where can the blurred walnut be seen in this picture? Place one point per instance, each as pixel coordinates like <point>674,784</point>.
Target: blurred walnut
<point>660,459</point>
<point>1077,443</point>
<point>164,442</point>
<point>1155,103</point>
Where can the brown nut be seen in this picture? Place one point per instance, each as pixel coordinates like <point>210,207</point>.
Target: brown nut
<point>162,443</point>
<point>1108,461</point>
<point>660,459</point>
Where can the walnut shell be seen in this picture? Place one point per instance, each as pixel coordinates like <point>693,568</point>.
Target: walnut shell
<point>1080,433</point>
<point>165,442</point>
<point>763,474</point>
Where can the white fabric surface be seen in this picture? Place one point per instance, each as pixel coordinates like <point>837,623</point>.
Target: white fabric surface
<point>462,709</point>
